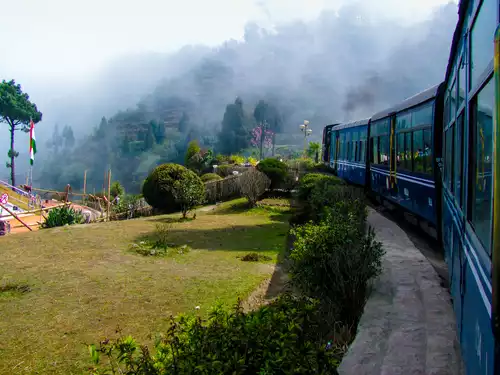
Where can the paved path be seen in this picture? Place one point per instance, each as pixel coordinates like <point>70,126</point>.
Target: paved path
<point>408,326</point>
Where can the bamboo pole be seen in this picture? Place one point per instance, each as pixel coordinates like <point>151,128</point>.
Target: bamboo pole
<point>15,216</point>
<point>84,182</point>
<point>109,192</point>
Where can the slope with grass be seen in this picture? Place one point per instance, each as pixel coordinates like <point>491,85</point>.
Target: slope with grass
<point>84,281</point>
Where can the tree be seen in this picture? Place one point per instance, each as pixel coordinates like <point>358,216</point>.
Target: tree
<point>233,136</point>
<point>16,110</point>
<point>189,192</point>
<point>116,189</point>
<point>170,187</point>
<point>252,185</point>
<point>275,170</point>
<point>68,137</point>
<point>193,159</point>
<point>313,150</point>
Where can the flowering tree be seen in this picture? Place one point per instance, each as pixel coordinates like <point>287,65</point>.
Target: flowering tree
<point>260,141</point>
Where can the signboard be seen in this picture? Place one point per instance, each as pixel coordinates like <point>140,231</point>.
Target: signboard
<point>4,198</point>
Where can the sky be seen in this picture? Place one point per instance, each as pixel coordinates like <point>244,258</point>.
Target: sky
<point>72,39</point>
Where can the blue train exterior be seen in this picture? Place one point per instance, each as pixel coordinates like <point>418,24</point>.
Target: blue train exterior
<point>437,155</point>
<point>467,178</point>
<point>348,147</point>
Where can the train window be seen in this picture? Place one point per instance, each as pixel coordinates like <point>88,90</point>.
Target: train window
<point>428,160</point>
<point>384,149</point>
<point>418,151</point>
<point>453,101</point>
<point>362,152</point>
<point>448,173</point>
<point>403,121</point>
<point>482,36</point>
<point>461,83</point>
<point>400,149</point>
<point>482,186</point>
<point>459,128</point>
<point>375,156</point>
<point>446,110</point>
<point>422,116</point>
<point>408,152</point>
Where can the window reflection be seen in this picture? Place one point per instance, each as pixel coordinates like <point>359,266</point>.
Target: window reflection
<point>428,161</point>
<point>418,150</point>
<point>482,39</point>
<point>483,148</point>
<point>458,159</point>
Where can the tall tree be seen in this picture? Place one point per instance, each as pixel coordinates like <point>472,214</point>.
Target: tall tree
<point>234,135</point>
<point>68,137</point>
<point>16,111</point>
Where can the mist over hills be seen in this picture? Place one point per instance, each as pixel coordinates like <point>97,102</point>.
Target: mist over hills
<point>341,66</point>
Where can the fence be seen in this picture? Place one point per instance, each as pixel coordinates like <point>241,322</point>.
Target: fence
<point>222,190</point>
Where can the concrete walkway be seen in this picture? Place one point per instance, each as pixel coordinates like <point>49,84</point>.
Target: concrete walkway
<point>408,326</point>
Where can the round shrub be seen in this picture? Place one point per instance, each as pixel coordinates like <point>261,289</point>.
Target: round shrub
<point>307,183</point>
<point>159,188</point>
<point>210,177</point>
<point>275,170</point>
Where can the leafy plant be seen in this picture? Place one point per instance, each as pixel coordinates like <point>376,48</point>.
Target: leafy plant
<point>189,192</point>
<point>275,170</point>
<point>308,181</point>
<point>210,177</point>
<point>64,215</point>
<point>237,159</point>
<point>116,189</point>
<point>281,338</point>
<point>171,187</point>
<point>252,161</point>
<point>255,257</point>
<point>253,185</point>
<point>334,260</point>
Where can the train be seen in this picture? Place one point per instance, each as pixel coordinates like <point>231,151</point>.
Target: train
<point>436,155</point>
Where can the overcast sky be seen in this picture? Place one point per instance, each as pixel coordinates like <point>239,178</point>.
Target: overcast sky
<point>71,39</point>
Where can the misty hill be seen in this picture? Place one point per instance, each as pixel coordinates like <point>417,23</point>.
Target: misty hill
<point>338,67</point>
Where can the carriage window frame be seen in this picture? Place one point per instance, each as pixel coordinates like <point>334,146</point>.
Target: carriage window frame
<point>458,156</point>
<point>472,207</point>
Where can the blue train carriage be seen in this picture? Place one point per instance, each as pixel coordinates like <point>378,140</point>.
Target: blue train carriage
<point>470,222</point>
<point>404,144</point>
<point>348,151</point>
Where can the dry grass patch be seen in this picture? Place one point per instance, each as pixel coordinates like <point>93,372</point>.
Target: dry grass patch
<point>86,282</point>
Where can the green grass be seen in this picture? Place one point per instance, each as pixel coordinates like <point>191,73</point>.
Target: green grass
<point>85,282</point>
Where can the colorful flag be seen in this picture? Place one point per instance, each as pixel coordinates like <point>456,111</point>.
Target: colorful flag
<point>32,142</point>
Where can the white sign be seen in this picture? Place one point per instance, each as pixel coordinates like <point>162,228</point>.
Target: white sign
<point>4,198</point>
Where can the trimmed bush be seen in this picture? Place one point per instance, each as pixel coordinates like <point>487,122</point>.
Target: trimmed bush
<point>335,259</point>
<point>172,187</point>
<point>64,215</point>
<point>281,338</point>
<point>210,177</point>
<point>307,182</point>
<point>275,170</point>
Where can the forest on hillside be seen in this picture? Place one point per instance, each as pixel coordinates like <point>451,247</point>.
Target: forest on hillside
<point>336,68</point>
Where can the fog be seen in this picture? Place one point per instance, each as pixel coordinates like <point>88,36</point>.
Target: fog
<point>333,62</point>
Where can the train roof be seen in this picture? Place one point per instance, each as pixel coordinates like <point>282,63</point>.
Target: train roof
<point>412,101</point>
<point>351,124</point>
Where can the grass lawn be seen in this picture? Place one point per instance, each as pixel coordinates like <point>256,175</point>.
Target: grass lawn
<point>84,281</point>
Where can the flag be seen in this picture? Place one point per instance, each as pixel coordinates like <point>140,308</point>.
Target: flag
<point>32,142</point>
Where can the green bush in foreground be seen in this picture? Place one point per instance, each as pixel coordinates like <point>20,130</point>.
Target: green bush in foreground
<point>64,215</point>
<point>281,338</point>
<point>335,259</point>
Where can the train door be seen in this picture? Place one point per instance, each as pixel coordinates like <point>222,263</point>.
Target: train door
<point>496,207</point>
<point>392,156</point>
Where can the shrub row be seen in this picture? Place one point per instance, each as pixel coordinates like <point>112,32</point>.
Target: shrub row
<point>334,255</point>
<point>280,338</point>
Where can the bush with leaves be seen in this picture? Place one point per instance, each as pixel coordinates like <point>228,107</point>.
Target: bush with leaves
<point>308,181</point>
<point>275,170</point>
<point>189,192</point>
<point>63,215</point>
<point>210,177</point>
<point>160,186</point>
<point>281,338</point>
<point>253,184</point>
<point>116,189</point>
<point>335,259</point>
<point>237,159</point>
